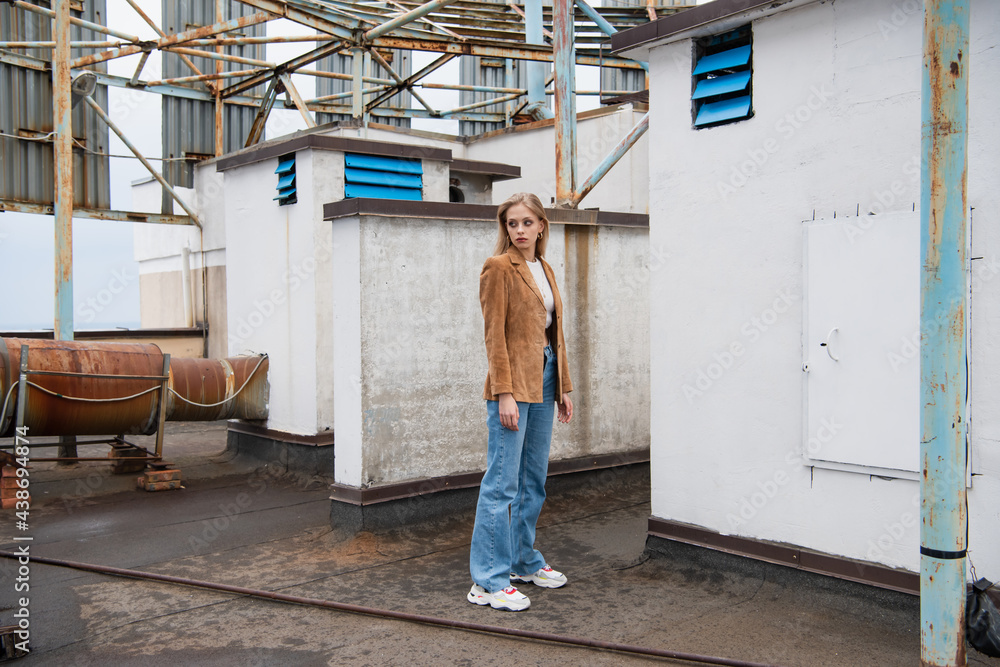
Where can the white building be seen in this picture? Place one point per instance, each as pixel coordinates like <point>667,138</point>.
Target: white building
<point>785,326</point>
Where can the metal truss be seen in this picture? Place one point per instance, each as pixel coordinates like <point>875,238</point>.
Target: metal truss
<point>566,34</point>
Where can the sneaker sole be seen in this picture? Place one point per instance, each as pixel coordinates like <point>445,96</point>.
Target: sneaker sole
<point>496,604</point>
<point>507,606</point>
<point>543,583</point>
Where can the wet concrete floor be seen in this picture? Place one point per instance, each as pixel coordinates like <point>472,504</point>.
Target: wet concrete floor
<point>252,524</point>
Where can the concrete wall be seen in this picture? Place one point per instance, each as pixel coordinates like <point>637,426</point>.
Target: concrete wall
<point>836,131</point>
<point>410,359</point>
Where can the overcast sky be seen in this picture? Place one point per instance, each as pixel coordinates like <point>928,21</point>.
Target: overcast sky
<point>106,283</point>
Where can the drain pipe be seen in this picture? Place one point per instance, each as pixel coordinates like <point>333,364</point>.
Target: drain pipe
<point>943,296</point>
<point>582,642</point>
<point>186,287</point>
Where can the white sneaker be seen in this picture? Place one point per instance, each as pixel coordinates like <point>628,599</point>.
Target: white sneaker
<point>545,577</point>
<point>509,598</point>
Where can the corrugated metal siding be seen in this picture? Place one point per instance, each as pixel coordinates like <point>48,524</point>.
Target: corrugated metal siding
<point>401,62</point>
<point>189,125</point>
<point>624,79</point>
<point>472,72</point>
<point>27,167</point>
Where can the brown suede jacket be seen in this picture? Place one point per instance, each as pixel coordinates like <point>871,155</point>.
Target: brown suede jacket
<point>514,315</point>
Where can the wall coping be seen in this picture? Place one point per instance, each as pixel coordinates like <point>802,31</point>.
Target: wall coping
<point>442,210</point>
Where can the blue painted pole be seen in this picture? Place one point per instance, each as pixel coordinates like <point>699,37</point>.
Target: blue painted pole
<point>565,100</point>
<point>943,294</point>
<point>537,72</point>
<point>62,118</point>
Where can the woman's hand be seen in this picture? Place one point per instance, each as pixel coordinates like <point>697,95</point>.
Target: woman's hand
<point>565,409</point>
<point>508,412</point>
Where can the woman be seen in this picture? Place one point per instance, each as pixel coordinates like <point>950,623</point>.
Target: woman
<point>528,374</point>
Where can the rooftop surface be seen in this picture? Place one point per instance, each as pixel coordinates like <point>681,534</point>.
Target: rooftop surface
<point>253,524</point>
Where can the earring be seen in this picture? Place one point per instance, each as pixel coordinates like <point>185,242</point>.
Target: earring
<point>539,235</point>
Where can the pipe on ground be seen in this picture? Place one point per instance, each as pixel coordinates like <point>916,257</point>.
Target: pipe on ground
<point>583,642</point>
<point>71,401</point>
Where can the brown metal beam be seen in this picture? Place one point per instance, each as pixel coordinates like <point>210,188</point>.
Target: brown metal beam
<point>8,205</point>
<point>178,38</point>
<point>288,66</point>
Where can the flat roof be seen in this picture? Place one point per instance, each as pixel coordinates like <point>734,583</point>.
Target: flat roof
<point>693,18</point>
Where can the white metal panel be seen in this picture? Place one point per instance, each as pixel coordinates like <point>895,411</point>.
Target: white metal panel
<point>862,347</point>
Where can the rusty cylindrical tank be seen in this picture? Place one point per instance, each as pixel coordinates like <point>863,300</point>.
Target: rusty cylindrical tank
<point>45,414</point>
<point>205,388</point>
<point>209,382</point>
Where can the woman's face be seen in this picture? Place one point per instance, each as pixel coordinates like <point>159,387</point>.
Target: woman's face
<point>523,227</point>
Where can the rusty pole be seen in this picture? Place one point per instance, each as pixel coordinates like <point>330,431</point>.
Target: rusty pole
<point>943,357</point>
<point>62,119</point>
<point>219,104</point>
<point>565,86</point>
<point>357,89</point>
<point>612,159</point>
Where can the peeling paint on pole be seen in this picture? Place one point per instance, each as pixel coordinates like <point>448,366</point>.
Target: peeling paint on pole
<point>62,116</point>
<point>943,371</point>
<point>565,99</point>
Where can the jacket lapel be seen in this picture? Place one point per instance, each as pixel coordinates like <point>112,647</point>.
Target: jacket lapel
<point>521,266</point>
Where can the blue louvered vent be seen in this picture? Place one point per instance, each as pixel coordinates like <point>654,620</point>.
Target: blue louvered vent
<point>382,177</point>
<point>723,73</point>
<point>286,180</point>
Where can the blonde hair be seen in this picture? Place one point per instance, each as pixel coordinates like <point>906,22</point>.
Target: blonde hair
<point>534,204</point>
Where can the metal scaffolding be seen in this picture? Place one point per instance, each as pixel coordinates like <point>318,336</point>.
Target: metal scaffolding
<point>223,70</point>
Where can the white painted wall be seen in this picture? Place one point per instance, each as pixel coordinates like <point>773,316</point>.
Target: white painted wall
<point>271,292</point>
<point>836,132</point>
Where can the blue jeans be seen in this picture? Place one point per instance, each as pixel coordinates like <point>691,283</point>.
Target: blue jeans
<point>513,489</point>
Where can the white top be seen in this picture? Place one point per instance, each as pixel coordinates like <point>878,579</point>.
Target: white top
<point>538,273</point>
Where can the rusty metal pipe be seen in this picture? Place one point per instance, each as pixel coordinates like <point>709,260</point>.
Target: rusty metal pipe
<point>46,415</point>
<point>52,45</point>
<point>213,389</point>
<point>565,101</point>
<point>135,151</point>
<point>408,17</point>
<point>219,56</point>
<point>477,105</point>
<point>611,160</point>
<point>944,292</point>
<point>96,27</point>
<point>114,388</point>
<point>203,77</point>
<point>62,120</point>
<point>581,642</point>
